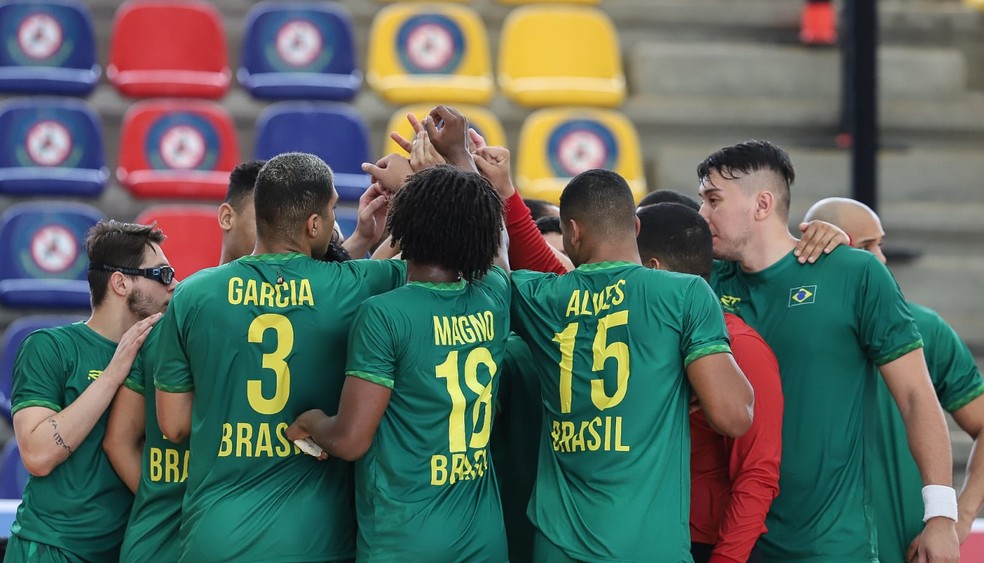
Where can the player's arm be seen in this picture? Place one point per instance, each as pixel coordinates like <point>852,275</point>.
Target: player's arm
<point>174,414</point>
<point>970,418</point>
<point>819,237</point>
<point>724,394</point>
<point>125,435</point>
<point>754,458</point>
<point>908,380</point>
<point>527,249</point>
<point>348,434</point>
<point>46,437</point>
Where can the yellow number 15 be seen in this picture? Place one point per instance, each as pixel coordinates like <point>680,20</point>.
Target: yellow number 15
<point>601,351</point>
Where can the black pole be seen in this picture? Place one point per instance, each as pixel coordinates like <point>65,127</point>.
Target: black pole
<point>861,84</point>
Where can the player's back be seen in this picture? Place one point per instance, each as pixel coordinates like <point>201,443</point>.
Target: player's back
<point>265,340</point>
<point>426,489</point>
<point>611,341</point>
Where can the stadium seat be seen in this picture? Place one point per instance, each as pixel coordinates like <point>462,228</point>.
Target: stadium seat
<point>347,218</point>
<point>42,263</point>
<point>168,48</point>
<point>49,48</point>
<point>194,239</point>
<point>177,149</point>
<point>298,50</point>
<point>557,144</point>
<point>560,55</point>
<point>51,147</point>
<point>9,343</point>
<point>481,119</point>
<point>334,132</point>
<point>424,52</point>
<point>13,474</point>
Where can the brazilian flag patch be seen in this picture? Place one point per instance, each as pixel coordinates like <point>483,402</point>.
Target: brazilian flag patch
<point>802,295</point>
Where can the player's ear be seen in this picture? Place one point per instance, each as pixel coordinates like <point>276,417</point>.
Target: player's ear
<point>638,225</point>
<point>574,232</point>
<point>226,216</point>
<point>764,204</point>
<point>118,284</point>
<point>654,263</point>
<point>313,225</point>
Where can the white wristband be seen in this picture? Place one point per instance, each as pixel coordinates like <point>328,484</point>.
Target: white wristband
<point>939,500</point>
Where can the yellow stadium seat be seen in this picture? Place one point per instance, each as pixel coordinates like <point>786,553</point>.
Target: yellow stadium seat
<point>560,55</point>
<point>484,121</point>
<point>424,52</point>
<point>556,144</point>
<point>979,4</point>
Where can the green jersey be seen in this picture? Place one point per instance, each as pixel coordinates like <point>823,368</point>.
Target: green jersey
<point>259,341</point>
<point>82,505</point>
<point>610,344</point>
<point>426,489</point>
<point>152,533</point>
<point>516,444</point>
<point>897,486</point>
<point>831,325</point>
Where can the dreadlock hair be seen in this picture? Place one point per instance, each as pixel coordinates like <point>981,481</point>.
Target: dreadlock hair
<point>737,161</point>
<point>448,217</point>
<point>115,243</point>
<point>677,236</point>
<point>242,179</point>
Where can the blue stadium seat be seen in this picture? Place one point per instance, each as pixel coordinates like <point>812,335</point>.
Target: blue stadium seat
<point>42,263</point>
<point>299,50</point>
<point>347,218</point>
<point>13,474</point>
<point>10,342</point>
<point>48,48</point>
<point>51,147</point>
<point>334,132</point>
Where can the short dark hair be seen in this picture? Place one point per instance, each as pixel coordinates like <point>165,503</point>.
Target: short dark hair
<point>736,161</point>
<point>242,180</point>
<point>290,188</point>
<point>450,217</point>
<point>669,196</point>
<point>115,243</point>
<point>548,224</point>
<point>601,200</point>
<point>538,207</point>
<point>678,237</point>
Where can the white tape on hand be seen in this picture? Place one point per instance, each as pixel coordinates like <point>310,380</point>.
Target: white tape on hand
<point>309,447</point>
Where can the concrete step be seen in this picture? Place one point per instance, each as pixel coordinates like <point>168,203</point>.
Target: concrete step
<point>748,70</point>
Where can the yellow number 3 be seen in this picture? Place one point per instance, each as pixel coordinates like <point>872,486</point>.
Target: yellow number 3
<point>274,361</point>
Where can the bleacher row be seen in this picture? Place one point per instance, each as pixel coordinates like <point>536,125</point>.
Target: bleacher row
<point>179,142</point>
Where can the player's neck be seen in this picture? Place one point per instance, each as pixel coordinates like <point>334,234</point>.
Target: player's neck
<point>281,247</point>
<point>111,320</point>
<point>766,248</point>
<point>431,273</point>
<point>615,251</point>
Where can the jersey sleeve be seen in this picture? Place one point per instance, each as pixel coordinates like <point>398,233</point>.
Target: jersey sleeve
<point>39,374</point>
<point>142,367</point>
<point>173,371</point>
<point>886,328</point>
<point>372,346</point>
<point>951,365</point>
<point>753,460</point>
<point>380,276</point>
<point>704,332</point>
<point>526,285</point>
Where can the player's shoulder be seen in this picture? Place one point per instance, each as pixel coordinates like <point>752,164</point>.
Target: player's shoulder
<point>846,257</point>
<point>924,314</point>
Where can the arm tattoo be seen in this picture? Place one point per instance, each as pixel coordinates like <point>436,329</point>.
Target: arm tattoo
<point>57,436</point>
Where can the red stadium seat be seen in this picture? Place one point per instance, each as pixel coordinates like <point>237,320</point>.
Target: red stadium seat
<point>194,239</point>
<point>177,149</point>
<point>173,48</point>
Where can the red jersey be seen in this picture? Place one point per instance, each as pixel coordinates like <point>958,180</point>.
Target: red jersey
<point>733,481</point>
